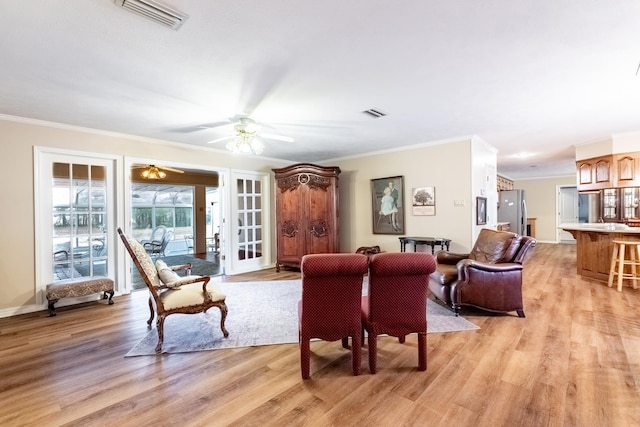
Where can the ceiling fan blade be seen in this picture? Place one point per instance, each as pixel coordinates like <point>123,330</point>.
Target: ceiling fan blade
<point>224,138</point>
<point>167,168</point>
<point>215,124</point>
<point>277,137</point>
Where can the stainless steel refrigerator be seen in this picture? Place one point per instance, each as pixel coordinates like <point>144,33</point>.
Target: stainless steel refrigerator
<point>513,209</point>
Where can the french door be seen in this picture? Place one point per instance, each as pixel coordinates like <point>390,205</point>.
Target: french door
<point>249,230</point>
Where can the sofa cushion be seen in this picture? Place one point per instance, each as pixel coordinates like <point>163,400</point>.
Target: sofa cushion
<point>445,274</point>
<point>492,245</point>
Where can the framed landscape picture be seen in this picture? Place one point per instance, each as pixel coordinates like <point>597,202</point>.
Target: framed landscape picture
<point>424,201</point>
<point>387,205</point>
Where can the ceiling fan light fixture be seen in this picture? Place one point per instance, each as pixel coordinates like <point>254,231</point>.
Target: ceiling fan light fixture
<point>153,173</point>
<point>245,143</point>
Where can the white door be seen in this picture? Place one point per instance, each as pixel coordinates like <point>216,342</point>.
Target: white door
<point>567,211</point>
<point>249,249</point>
<point>75,217</point>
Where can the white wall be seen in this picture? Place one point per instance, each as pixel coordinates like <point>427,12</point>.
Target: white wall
<point>541,197</point>
<point>17,139</point>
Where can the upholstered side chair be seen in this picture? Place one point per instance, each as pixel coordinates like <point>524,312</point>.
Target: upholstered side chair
<point>489,277</point>
<point>330,304</point>
<point>396,302</point>
<point>170,293</point>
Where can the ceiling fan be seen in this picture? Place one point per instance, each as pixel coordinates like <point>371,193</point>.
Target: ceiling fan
<point>247,135</point>
<point>154,171</point>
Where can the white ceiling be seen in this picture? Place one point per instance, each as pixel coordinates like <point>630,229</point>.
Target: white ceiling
<point>536,76</point>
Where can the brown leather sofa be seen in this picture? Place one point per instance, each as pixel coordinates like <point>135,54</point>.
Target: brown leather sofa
<point>489,278</point>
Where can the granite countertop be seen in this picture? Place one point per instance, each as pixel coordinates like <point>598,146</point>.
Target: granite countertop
<point>600,227</point>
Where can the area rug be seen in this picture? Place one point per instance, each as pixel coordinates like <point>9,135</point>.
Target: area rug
<point>199,267</point>
<point>260,313</point>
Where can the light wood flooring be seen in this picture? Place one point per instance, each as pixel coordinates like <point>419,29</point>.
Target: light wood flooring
<point>573,361</point>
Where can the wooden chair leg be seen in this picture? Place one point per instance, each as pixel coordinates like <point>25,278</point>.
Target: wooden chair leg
<point>373,352</point>
<point>356,355</point>
<point>160,330</point>
<point>633,250</point>
<point>223,317</point>
<point>620,266</point>
<point>422,351</point>
<point>152,313</point>
<point>612,269</point>
<point>305,355</point>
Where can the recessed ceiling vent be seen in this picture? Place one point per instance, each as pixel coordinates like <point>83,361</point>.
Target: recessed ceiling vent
<point>154,11</point>
<point>375,113</point>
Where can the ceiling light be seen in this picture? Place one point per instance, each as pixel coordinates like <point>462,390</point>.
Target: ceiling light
<point>523,155</point>
<point>245,142</point>
<point>153,173</point>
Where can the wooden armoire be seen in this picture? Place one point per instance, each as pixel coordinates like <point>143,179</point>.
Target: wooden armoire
<point>306,212</point>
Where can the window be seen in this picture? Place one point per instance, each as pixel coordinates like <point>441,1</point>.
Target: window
<point>79,218</point>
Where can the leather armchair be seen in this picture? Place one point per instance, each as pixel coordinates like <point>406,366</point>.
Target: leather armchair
<point>489,277</point>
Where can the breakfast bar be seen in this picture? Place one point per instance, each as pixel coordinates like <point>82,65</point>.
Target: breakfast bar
<point>594,246</point>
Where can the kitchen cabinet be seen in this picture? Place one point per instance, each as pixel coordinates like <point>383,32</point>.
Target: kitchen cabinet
<point>610,171</point>
<point>627,170</point>
<point>595,173</point>
<point>306,212</point>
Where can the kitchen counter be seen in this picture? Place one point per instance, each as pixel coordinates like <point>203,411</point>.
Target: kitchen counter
<point>600,227</point>
<point>594,246</point>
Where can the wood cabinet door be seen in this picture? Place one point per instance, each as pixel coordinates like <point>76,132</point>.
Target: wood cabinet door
<point>321,220</point>
<point>595,173</point>
<point>627,170</point>
<point>291,224</point>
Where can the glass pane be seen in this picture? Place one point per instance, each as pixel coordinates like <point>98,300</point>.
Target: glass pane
<point>258,218</point>
<point>249,202</point>
<point>258,202</point>
<point>249,186</point>
<point>258,233</point>
<point>257,187</point>
<point>80,174</point>
<point>258,249</point>
<point>241,203</point>
<point>250,219</point>
<point>240,184</point>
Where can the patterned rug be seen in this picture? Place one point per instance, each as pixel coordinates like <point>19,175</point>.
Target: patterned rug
<point>260,313</point>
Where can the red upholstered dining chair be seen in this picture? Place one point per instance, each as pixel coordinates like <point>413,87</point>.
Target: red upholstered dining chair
<point>396,303</point>
<point>330,304</point>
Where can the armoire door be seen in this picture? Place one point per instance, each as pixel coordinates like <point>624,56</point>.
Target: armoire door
<point>291,224</point>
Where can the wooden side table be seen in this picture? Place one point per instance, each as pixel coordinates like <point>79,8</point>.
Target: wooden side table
<point>431,241</point>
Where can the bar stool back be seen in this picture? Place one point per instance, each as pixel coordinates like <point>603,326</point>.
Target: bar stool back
<point>619,262</point>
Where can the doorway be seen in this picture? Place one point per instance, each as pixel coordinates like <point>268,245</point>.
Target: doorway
<point>568,211</point>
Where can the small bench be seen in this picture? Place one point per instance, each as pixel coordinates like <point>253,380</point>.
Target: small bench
<point>78,287</point>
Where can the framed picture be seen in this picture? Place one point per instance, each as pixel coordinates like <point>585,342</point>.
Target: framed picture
<point>387,205</point>
<point>424,201</point>
<point>481,210</point>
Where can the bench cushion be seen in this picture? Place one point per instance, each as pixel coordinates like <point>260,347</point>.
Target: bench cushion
<point>78,287</point>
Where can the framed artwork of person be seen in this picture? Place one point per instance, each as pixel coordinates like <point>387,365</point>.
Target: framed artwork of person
<point>387,203</point>
<point>481,210</point>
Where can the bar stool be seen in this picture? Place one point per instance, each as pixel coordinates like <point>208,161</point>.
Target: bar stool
<point>618,262</point>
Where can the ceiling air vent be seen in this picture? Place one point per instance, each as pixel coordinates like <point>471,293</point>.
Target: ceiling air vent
<point>375,113</point>
<point>154,11</point>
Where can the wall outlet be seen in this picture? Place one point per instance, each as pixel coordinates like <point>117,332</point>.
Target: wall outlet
<point>458,203</point>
